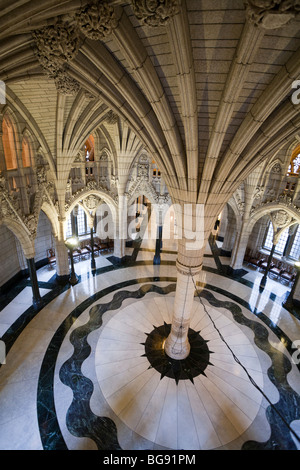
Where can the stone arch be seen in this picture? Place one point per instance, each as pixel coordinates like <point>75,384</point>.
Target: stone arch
<point>51,213</point>
<point>103,134</point>
<point>22,234</point>
<point>113,206</point>
<point>238,218</point>
<point>266,209</point>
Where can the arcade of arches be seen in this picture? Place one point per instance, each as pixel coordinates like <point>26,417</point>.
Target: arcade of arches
<point>149,225</point>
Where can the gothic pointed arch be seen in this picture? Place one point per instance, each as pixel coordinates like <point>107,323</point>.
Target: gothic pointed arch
<point>22,234</point>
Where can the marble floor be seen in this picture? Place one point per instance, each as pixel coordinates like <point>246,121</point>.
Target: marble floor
<point>80,374</point>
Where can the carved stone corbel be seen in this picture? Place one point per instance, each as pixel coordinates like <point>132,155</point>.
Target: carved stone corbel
<point>156,12</point>
<point>56,46</point>
<point>97,20</point>
<point>271,14</point>
<point>280,219</point>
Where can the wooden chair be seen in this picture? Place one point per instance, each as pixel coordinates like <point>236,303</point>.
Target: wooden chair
<point>264,264</point>
<point>51,256</point>
<point>276,270</point>
<point>257,260</point>
<point>84,250</point>
<point>288,275</point>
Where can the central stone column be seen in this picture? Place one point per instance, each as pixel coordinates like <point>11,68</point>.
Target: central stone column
<point>177,344</point>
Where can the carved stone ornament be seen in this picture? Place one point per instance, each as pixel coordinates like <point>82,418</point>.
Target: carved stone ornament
<point>91,202</point>
<point>41,175</point>
<point>97,20</point>
<point>65,84</point>
<point>111,117</point>
<point>259,192</point>
<point>56,46</point>
<point>281,218</point>
<point>31,222</point>
<point>155,12</point>
<point>143,171</point>
<point>276,168</point>
<point>271,14</point>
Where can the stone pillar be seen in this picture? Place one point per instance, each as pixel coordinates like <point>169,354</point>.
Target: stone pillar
<point>257,236</point>
<point>61,254</point>
<point>74,222</point>
<point>223,224</point>
<point>177,344</point>
<point>229,236</point>
<point>238,253</point>
<point>293,299</point>
<point>120,236</point>
<point>191,246</point>
<point>36,298</point>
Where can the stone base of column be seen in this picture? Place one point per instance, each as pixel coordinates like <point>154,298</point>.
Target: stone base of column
<point>177,345</point>
<point>176,350</point>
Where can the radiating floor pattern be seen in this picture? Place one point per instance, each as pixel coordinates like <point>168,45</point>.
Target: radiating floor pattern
<point>77,375</point>
<point>210,411</point>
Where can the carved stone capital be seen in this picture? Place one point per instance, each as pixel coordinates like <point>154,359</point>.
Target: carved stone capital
<point>97,21</point>
<point>155,12</point>
<point>271,14</point>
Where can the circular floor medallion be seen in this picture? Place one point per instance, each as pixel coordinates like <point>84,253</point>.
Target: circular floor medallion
<point>205,406</point>
<point>186,369</point>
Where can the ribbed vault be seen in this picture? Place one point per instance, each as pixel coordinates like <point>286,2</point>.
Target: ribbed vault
<point>205,86</point>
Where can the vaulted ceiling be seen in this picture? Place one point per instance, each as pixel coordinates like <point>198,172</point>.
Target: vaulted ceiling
<point>206,85</point>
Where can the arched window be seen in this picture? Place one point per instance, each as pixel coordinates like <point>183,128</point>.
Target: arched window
<point>295,250</point>
<point>26,153</point>
<point>82,224</point>
<point>294,167</point>
<point>280,247</point>
<point>9,144</point>
<point>89,149</point>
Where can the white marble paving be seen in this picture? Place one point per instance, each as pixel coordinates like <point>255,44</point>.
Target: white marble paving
<point>212,413</point>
